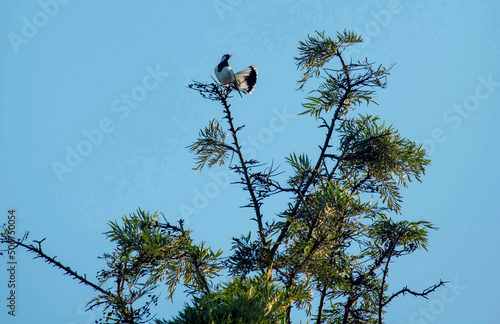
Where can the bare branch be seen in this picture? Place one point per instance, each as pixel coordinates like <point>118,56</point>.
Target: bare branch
<point>52,260</point>
<point>424,293</point>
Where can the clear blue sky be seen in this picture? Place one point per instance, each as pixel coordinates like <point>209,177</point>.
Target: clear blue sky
<point>108,80</point>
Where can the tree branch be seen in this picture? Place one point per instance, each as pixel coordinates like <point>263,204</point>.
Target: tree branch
<point>321,304</point>
<point>255,202</point>
<point>424,293</point>
<point>52,260</point>
<point>382,285</point>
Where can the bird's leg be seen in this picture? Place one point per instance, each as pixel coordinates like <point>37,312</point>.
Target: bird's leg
<point>237,88</point>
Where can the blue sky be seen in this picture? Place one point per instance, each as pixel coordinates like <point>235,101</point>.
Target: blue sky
<point>108,80</point>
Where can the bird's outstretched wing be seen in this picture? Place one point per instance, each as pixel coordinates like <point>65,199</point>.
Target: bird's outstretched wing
<point>247,78</point>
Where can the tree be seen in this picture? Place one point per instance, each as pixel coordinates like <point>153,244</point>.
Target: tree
<point>328,252</point>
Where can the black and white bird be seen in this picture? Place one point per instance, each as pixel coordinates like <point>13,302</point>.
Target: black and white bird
<point>244,80</point>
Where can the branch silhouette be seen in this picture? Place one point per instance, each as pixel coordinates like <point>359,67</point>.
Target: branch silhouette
<point>51,260</point>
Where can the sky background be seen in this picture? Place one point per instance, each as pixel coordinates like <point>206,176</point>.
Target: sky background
<point>68,68</point>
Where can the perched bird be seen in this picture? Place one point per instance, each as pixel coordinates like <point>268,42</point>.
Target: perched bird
<point>244,80</point>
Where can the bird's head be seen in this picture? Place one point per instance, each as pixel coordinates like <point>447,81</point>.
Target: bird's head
<point>225,57</point>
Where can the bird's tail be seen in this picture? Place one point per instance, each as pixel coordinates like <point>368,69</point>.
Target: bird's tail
<point>246,79</point>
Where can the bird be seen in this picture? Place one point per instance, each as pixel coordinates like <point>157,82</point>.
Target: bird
<point>244,80</point>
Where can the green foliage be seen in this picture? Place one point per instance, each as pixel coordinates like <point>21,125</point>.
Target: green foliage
<point>385,233</point>
<point>210,146</point>
<point>138,233</point>
<point>302,167</point>
<point>318,50</point>
<point>150,253</point>
<point>379,154</point>
<point>347,85</point>
<point>248,256</point>
<point>203,264</point>
<point>253,300</point>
